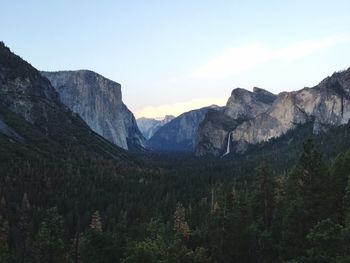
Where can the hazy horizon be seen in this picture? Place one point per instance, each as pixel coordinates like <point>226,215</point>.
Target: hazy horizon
<point>174,57</point>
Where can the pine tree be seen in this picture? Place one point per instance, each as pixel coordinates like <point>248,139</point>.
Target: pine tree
<point>4,228</point>
<point>264,197</point>
<point>49,244</point>
<point>96,223</point>
<point>181,227</point>
<point>263,205</point>
<point>340,173</point>
<point>25,202</point>
<point>346,205</point>
<point>308,201</point>
<point>327,243</point>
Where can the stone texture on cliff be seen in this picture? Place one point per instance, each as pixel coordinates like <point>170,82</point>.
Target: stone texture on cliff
<point>23,91</point>
<point>179,134</point>
<point>327,104</point>
<point>242,105</point>
<point>32,117</point>
<point>98,101</point>
<point>213,132</point>
<point>247,104</point>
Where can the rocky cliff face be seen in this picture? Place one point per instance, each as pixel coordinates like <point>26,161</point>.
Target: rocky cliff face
<point>212,133</point>
<point>35,122</point>
<point>327,104</point>
<point>179,135</point>
<point>149,126</point>
<point>263,116</point>
<point>23,91</point>
<point>245,104</point>
<point>98,101</point>
<point>242,105</point>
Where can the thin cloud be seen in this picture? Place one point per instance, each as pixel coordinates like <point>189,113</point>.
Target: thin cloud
<point>178,108</point>
<point>239,59</point>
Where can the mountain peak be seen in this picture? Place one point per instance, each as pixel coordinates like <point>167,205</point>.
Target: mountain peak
<point>98,101</point>
<point>239,91</point>
<point>31,112</point>
<point>247,104</point>
<point>260,90</point>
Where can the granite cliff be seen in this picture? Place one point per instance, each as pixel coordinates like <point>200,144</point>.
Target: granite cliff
<point>325,105</point>
<point>35,123</point>
<point>98,101</point>
<point>242,105</point>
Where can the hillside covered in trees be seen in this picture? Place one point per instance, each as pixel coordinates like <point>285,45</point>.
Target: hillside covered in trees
<point>218,214</point>
<point>68,195</point>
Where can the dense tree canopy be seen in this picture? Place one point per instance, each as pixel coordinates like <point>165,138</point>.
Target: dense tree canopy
<point>176,210</point>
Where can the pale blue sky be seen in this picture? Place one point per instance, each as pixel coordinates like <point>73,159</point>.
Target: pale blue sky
<point>171,56</point>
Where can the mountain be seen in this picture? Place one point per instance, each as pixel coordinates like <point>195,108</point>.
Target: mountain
<point>179,134</point>
<point>98,101</point>
<point>148,126</point>
<point>34,124</point>
<point>326,105</point>
<point>242,105</point>
<point>67,194</point>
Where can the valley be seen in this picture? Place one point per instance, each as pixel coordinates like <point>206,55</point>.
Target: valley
<point>263,179</point>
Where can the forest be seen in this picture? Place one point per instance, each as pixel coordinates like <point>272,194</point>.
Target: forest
<point>174,131</point>
<point>287,206</point>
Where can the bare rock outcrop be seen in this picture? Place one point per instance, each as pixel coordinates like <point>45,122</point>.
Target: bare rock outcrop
<point>98,101</point>
<point>213,133</point>
<point>327,104</point>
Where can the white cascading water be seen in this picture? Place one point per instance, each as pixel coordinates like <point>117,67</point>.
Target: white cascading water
<point>228,145</point>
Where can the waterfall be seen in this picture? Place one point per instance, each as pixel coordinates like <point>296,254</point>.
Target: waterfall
<point>228,145</point>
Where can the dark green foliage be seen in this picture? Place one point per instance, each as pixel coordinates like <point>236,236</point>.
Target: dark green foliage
<point>307,200</point>
<point>328,243</point>
<point>228,213</point>
<point>49,244</point>
<point>99,247</point>
<point>346,205</point>
<point>340,174</point>
<point>264,197</point>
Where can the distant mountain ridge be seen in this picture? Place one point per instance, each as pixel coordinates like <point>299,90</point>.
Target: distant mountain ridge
<point>149,126</point>
<point>98,101</point>
<point>179,135</point>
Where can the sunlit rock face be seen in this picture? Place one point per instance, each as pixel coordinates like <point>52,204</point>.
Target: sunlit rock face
<point>326,104</point>
<point>246,104</point>
<point>261,115</point>
<point>242,105</point>
<point>98,101</point>
<point>281,117</point>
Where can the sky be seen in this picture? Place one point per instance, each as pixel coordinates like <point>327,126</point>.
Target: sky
<point>174,56</point>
